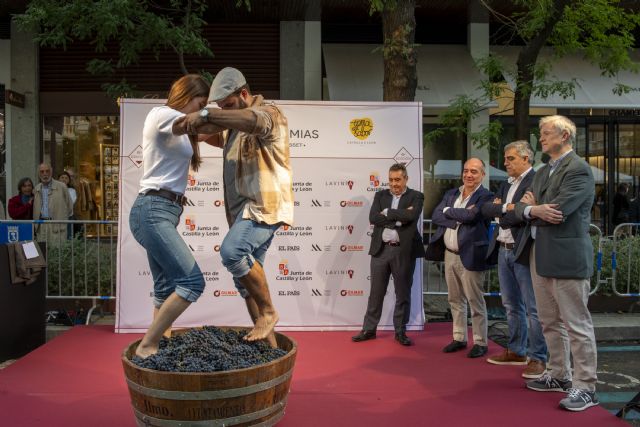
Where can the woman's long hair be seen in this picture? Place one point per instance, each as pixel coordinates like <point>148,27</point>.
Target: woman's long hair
<point>181,93</point>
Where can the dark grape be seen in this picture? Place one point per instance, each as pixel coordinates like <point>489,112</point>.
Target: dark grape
<point>208,349</point>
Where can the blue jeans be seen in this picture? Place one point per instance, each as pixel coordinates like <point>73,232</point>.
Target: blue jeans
<point>153,221</point>
<point>246,242</point>
<point>519,301</point>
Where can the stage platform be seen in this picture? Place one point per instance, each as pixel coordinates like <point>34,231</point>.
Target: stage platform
<point>77,380</point>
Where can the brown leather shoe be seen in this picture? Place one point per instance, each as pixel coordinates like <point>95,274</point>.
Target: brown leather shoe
<point>508,357</point>
<point>534,369</point>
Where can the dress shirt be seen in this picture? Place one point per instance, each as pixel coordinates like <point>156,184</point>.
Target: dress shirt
<point>44,211</point>
<point>504,234</point>
<point>451,234</point>
<point>390,234</point>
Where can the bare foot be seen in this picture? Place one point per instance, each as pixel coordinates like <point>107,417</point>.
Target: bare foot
<point>271,340</point>
<point>263,327</point>
<point>144,351</point>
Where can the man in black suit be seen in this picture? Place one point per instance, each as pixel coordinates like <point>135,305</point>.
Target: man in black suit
<point>395,245</point>
<point>525,332</point>
<point>464,233</point>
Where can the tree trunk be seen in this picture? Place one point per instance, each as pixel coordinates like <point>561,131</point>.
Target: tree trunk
<point>527,59</point>
<point>399,31</point>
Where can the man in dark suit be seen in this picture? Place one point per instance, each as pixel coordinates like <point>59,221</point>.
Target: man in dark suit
<point>516,289</point>
<point>395,245</point>
<point>464,233</point>
<point>561,262</point>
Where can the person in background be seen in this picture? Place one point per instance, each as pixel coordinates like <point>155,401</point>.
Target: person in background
<point>464,233</point>
<point>21,205</point>
<point>166,156</point>
<point>395,245</point>
<point>51,202</point>
<point>621,204</point>
<point>66,179</point>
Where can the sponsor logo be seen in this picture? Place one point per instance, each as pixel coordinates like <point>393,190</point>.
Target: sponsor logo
<point>320,292</point>
<point>211,276</point>
<point>348,183</point>
<point>348,228</point>
<point>375,183</point>
<point>299,187</point>
<point>190,223</point>
<point>191,180</point>
<point>349,273</point>
<point>196,248</point>
<point>195,185</point>
<point>192,229</point>
<point>403,156</point>
<point>218,203</point>
<point>301,231</point>
<point>351,292</point>
<point>288,248</point>
<point>299,137</point>
<point>13,234</point>
<point>351,248</point>
<point>283,268</point>
<point>351,203</point>
<point>188,202</point>
<point>315,203</point>
<point>136,156</point>
<point>286,274</point>
<point>216,248</point>
<point>224,293</point>
<point>361,128</point>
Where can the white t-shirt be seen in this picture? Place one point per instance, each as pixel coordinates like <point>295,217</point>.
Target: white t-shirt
<point>165,156</point>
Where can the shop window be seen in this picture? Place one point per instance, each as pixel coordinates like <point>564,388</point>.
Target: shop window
<point>87,147</point>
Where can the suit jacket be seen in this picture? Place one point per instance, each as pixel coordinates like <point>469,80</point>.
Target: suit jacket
<point>410,239</point>
<point>473,228</point>
<point>564,251</point>
<point>508,220</point>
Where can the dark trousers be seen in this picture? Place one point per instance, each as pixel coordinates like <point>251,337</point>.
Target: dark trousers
<point>389,263</point>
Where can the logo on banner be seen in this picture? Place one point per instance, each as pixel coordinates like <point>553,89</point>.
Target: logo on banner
<point>375,183</point>
<point>348,183</point>
<point>315,203</point>
<point>285,273</point>
<point>318,248</point>
<point>348,228</point>
<point>370,232</point>
<point>225,293</point>
<point>361,128</point>
<point>349,273</point>
<point>351,248</point>
<point>13,234</point>
<point>283,268</point>
<point>351,292</point>
<point>136,156</point>
<point>288,248</point>
<point>216,248</point>
<point>351,203</point>
<point>302,186</point>
<point>218,203</point>
<point>301,231</point>
<point>196,248</point>
<point>190,223</point>
<point>191,180</point>
<point>302,134</point>
<point>403,156</point>
<point>320,292</point>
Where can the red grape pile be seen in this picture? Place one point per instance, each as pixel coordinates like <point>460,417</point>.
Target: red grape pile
<point>208,349</point>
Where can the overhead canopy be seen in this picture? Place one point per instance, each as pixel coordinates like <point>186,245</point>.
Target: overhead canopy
<point>355,72</point>
<point>592,91</point>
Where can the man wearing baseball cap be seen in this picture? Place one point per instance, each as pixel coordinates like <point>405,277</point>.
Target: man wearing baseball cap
<point>258,185</point>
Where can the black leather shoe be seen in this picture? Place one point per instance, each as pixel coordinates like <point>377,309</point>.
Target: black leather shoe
<point>364,336</point>
<point>455,346</point>
<point>403,339</point>
<point>477,351</point>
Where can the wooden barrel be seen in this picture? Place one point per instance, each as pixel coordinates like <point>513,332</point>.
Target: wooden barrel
<point>241,397</point>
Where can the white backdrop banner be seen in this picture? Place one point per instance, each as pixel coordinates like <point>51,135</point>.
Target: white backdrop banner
<point>317,269</point>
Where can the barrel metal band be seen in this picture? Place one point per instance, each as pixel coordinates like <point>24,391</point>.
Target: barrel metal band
<point>208,395</point>
<point>147,420</point>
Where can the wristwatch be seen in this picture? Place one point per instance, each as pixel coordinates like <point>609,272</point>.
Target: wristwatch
<point>204,113</point>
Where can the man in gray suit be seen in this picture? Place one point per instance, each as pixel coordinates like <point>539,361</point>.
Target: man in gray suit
<point>561,262</point>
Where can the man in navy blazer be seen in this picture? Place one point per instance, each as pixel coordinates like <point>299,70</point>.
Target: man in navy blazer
<point>395,245</point>
<point>464,233</point>
<point>526,342</point>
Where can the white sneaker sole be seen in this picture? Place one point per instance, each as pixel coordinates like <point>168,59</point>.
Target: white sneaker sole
<point>493,362</point>
<point>532,376</point>
<point>586,406</point>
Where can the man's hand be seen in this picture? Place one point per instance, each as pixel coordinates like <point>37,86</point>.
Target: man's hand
<point>497,201</point>
<point>510,207</point>
<point>547,212</point>
<point>528,198</point>
<point>193,121</point>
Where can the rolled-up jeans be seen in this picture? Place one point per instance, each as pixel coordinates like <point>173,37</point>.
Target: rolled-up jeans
<point>153,221</point>
<point>246,242</point>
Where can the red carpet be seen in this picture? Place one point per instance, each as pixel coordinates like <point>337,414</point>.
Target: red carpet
<point>77,380</point>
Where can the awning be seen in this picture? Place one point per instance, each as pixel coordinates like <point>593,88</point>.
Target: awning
<point>593,89</point>
<point>355,72</point>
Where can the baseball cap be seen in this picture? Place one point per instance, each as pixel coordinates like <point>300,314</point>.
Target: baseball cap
<point>227,81</point>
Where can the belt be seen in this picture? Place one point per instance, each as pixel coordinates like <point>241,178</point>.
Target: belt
<point>392,243</point>
<point>508,246</point>
<point>452,251</point>
<point>170,195</point>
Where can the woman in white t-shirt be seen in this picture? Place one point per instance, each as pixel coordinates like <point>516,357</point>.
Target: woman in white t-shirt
<point>166,156</point>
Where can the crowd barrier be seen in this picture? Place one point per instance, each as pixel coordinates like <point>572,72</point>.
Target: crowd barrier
<point>81,257</point>
<point>435,283</point>
<point>625,260</point>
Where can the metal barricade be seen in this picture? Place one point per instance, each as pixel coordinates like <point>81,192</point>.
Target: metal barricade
<point>625,260</point>
<point>435,283</point>
<point>81,258</point>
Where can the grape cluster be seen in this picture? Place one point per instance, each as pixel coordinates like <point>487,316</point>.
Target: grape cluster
<point>208,349</point>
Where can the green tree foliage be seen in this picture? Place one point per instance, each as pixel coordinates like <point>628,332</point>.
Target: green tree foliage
<point>602,31</point>
<point>132,26</point>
